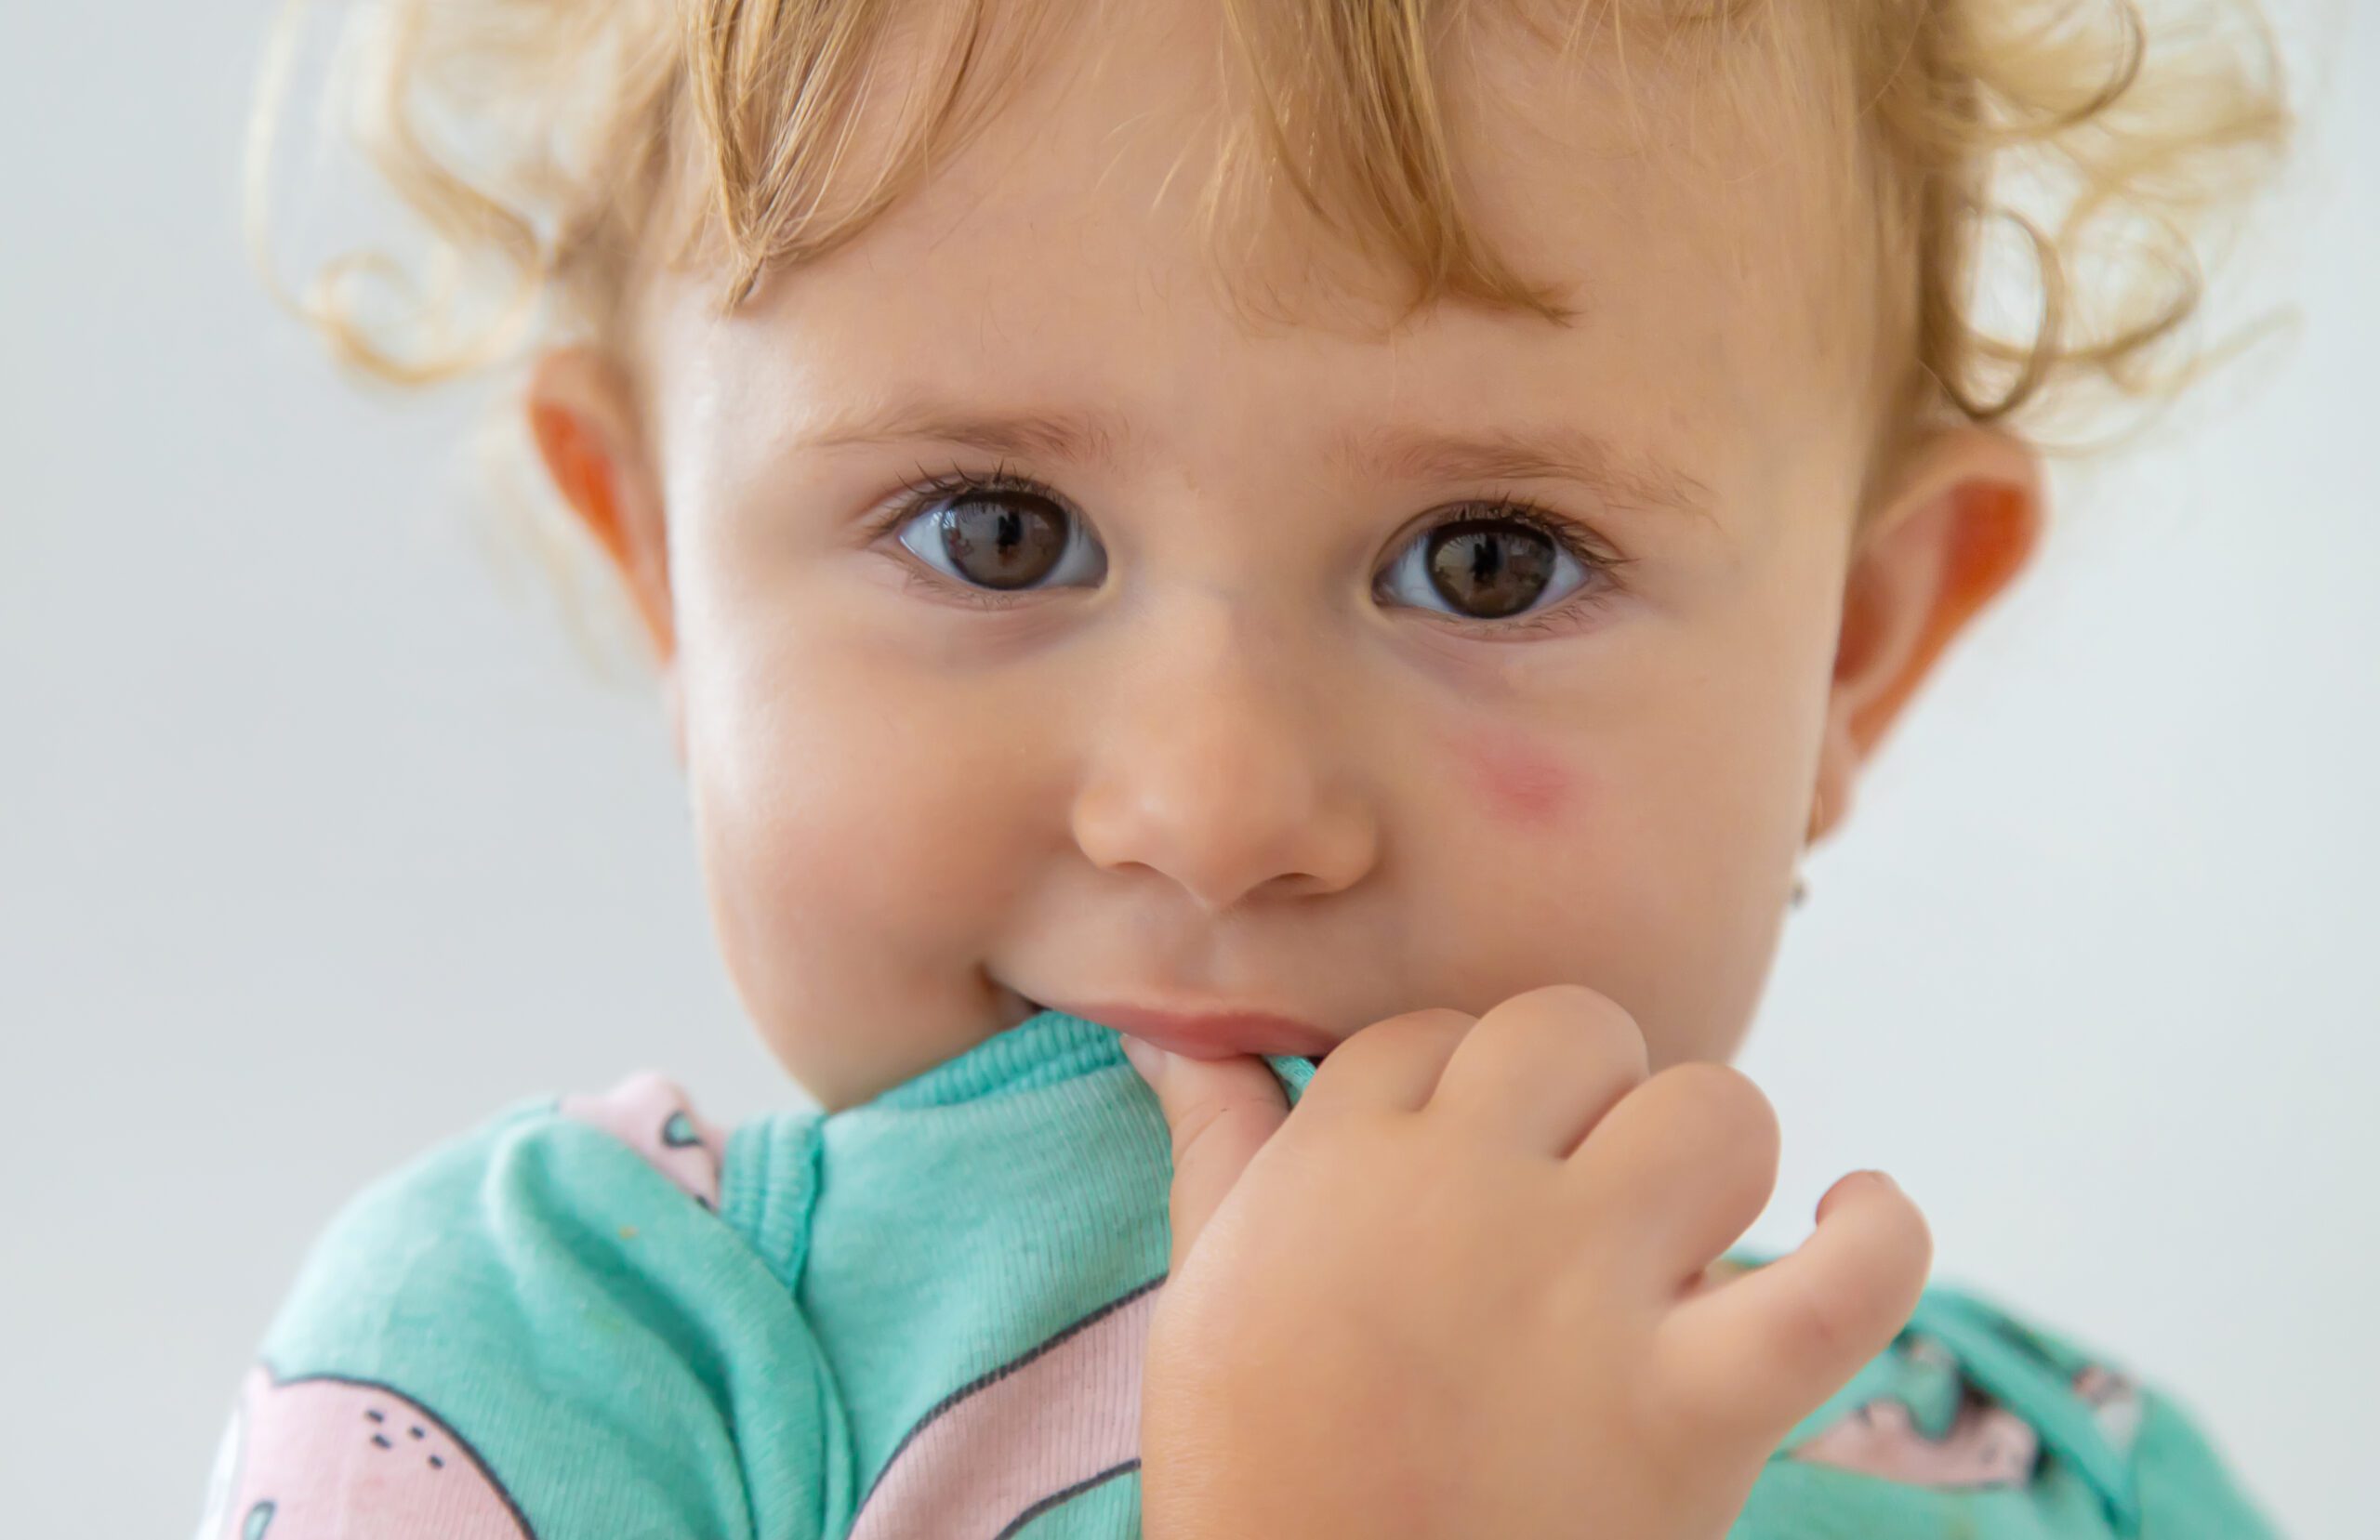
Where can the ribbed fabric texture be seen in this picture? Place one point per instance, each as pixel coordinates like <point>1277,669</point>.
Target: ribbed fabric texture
<point>924,1316</point>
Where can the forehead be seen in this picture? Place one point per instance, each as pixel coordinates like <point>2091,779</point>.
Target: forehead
<point>1680,193</point>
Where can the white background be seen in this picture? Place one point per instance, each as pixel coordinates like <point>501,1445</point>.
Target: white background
<point>319,841</point>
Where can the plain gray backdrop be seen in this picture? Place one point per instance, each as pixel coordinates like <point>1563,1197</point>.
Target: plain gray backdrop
<point>319,841</point>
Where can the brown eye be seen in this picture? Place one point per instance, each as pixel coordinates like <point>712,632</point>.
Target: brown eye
<point>1515,563</point>
<point>1003,540</point>
<point>1488,567</point>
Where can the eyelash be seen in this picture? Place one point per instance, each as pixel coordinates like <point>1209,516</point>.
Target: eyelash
<point>920,494</point>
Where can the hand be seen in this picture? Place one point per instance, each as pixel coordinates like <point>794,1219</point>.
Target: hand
<point>1462,1289</point>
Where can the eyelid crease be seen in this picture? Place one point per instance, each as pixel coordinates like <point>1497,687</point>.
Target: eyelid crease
<point>1104,437</point>
<point>915,496</point>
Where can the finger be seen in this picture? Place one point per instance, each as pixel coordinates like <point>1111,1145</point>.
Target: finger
<point>1765,1350</point>
<point>1221,1112</point>
<point>1392,1063</point>
<point>1543,1068</point>
<point>1683,1165</point>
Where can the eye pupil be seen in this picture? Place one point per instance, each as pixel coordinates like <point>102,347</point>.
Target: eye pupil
<point>1490,568</point>
<point>1003,540</point>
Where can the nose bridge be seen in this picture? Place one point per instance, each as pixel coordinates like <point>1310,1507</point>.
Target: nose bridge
<point>1219,764</point>
<point>1227,665</point>
<point>1223,623</point>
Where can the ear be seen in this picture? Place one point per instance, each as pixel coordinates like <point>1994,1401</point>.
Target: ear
<point>584,417</point>
<point>1954,526</point>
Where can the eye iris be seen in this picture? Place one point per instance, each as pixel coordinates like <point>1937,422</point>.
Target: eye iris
<point>1011,540</point>
<point>1487,568</point>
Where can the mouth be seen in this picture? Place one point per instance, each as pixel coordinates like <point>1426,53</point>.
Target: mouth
<point>1207,1034</point>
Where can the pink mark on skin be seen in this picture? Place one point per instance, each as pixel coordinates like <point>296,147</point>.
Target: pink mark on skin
<point>1520,782</point>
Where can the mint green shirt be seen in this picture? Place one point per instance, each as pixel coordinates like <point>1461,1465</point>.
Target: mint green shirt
<point>924,1316</point>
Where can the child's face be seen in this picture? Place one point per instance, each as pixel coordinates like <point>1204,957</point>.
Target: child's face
<point>1234,742</point>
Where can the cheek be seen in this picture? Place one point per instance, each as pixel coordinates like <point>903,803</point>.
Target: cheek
<point>1520,782</point>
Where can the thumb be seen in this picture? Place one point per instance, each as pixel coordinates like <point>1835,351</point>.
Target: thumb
<point>1220,1110</point>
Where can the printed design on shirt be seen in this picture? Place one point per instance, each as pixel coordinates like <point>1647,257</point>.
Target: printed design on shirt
<point>2115,1405</point>
<point>652,1116</point>
<point>1037,1431</point>
<point>1985,1445</point>
<point>2113,1396</point>
<point>326,1458</point>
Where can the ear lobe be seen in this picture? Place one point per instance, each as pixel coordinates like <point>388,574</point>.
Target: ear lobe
<point>1963,518</point>
<point>583,416</point>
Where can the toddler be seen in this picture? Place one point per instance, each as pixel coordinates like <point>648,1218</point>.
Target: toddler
<point>1257,598</point>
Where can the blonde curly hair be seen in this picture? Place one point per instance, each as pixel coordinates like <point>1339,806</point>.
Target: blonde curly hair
<point>554,151</point>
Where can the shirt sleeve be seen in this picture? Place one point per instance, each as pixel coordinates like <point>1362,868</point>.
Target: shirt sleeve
<point>536,1331</point>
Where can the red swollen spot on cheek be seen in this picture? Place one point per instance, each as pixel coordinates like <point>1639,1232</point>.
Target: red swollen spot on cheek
<point>1519,783</point>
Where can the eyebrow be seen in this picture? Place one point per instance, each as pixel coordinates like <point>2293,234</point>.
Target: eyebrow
<point>1103,436</point>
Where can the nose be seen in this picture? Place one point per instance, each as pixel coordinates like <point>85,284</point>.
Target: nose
<point>1217,766</point>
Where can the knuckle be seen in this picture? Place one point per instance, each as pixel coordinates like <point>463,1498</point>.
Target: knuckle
<point>1823,1326</point>
<point>1567,993</point>
<point>1433,1019</point>
<point>1853,1315</point>
<point>1724,1099</point>
<point>1569,1012</point>
<point>1395,1037</point>
<point>1568,999</point>
<point>1709,1119</point>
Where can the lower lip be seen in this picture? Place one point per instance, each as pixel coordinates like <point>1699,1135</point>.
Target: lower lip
<point>1219,1036</point>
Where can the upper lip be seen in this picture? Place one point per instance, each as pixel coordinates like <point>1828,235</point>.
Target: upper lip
<point>1205,1031</point>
